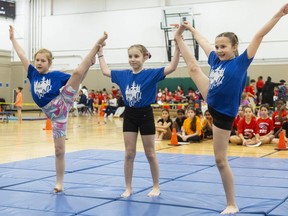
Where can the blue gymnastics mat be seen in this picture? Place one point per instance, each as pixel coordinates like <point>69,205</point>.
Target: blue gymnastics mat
<point>94,181</point>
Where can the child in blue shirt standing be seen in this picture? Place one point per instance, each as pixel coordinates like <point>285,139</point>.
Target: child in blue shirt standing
<point>45,89</point>
<point>223,88</point>
<point>138,86</point>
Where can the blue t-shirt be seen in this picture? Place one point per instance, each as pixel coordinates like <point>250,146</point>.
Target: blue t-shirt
<point>227,80</point>
<point>138,90</point>
<point>45,87</point>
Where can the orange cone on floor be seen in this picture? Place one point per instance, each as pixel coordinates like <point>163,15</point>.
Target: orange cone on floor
<point>281,143</point>
<point>101,111</point>
<point>48,125</point>
<point>174,139</point>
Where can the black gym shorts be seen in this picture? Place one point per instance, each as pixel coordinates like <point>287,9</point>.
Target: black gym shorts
<point>220,120</point>
<point>139,119</point>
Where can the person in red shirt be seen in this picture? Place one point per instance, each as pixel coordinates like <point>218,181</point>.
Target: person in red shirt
<point>101,97</point>
<point>251,89</point>
<point>259,87</point>
<point>251,93</point>
<point>279,117</point>
<point>248,130</point>
<point>265,124</point>
<point>114,91</point>
<point>236,120</point>
<point>180,90</point>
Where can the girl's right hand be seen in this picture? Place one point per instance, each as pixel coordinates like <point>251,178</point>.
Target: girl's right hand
<point>187,25</point>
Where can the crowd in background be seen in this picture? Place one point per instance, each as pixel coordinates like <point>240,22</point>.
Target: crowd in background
<point>262,114</point>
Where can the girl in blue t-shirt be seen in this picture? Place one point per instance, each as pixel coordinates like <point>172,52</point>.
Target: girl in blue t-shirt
<point>138,87</point>
<point>45,89</point>
<point>223,88</point>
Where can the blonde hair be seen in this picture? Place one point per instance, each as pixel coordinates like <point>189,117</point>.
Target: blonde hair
<point>47,52</point>
<point>142,49</point>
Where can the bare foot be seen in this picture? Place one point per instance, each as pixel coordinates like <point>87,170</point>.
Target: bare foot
<point>230,210</point>
<point>126,193</point>
<point>102,39</point>
<point>154,192</point>
<point>58,188</point>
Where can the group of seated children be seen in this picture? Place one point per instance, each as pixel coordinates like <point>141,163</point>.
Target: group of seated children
<point>189,125</point>
<point>247,130</point>
<point>252,132</point>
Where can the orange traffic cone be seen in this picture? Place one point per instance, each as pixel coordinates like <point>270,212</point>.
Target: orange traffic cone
<point>101,110</point>
<point>48,125</point>
<point>281,143</point>
<point>174,139</point>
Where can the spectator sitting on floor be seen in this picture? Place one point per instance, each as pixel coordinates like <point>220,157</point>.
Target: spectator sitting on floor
<point>236,120</point>
<point>164,126</point>
<point>279,117</point>
<point>111,106</point>
<point>265,125</point>
<point>191,129</point>
<point>248,130</point>
<point>121,106</point>
<point>207,125</point>
<point>80,103</point>
<point>178,123</point>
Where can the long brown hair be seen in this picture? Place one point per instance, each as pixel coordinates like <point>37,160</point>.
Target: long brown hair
<point>193,122</point>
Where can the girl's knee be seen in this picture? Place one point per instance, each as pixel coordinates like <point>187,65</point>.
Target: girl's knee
<point>221,162</point>
<point>151,155</point>
<point>59,152</point>
<point>130,155</point>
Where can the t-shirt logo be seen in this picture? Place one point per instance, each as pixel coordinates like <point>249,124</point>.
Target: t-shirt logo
<point>263,128</point>
<point>133,94</point>
<point>216,77</point>
<point>42,87</point>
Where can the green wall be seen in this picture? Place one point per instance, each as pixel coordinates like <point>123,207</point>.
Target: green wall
<point>172,84</point>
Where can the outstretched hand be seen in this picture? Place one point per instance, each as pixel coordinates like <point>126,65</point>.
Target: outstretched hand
<point>180,31</point>
<point>284,10</point>
<point>187,25</point>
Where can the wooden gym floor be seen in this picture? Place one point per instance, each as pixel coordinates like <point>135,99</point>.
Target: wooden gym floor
<point>28,140</point>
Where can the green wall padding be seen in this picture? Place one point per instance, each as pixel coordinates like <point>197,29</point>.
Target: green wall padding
<point>172,84</point>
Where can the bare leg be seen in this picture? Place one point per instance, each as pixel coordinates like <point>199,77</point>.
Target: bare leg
<point>81,71</point>
<point>130,139</point>
<point>220,142</point>
<point>60,162</point>
<point>195,72</point>
<point>148,143</point>
<point>235,139</point>
<point>19,115</point>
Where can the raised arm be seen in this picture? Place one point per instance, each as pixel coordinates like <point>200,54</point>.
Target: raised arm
<point>201,40</point>
<point>257,39</point>
<point>20,52</point>
<point>174,62</point>
<point>103,65</point>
